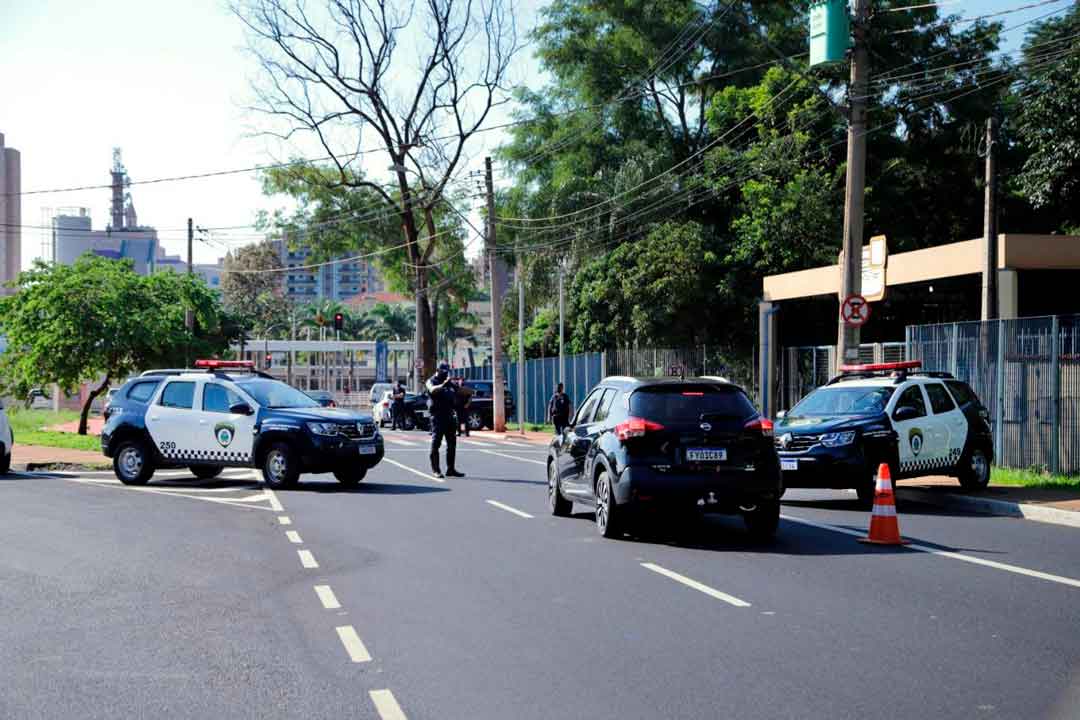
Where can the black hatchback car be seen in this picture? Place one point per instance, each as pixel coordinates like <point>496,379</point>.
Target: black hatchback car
<point>639,444</point>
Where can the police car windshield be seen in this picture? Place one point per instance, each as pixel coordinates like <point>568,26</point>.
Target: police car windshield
<point>840,400</point>
<point>276,394</point>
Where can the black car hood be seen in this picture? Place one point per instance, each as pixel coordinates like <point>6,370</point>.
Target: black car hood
<point>822,424</point>
<point>316,414</point>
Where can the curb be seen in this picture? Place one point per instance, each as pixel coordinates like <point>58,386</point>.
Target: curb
<point>985,506</point>
<point>46,466</point>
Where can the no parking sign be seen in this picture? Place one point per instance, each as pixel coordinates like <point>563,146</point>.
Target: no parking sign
<point>855,311</point>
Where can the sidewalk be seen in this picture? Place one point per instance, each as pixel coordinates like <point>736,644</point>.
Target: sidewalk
<point>29,457</point>
<point>1061,507</point>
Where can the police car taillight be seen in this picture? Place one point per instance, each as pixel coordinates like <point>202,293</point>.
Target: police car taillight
<point>218,364</point>
<point>634,427</point>
<point>760,424</point>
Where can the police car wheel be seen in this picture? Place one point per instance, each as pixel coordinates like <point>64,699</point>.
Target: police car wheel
<point>280,467</point>
<point>975,470</point>
<point>205,472</point>
<point>132,463</point>
<point>475,420</point>
<point>350,477</point>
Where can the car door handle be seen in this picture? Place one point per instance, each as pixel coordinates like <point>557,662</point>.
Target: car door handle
<point>202,422</point>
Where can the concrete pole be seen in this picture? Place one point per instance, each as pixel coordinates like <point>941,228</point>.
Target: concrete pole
<point>990,230</point>
<point>498,383</point>
<point>521,345</point>
<point>851,272</point>
<point>562,322</point>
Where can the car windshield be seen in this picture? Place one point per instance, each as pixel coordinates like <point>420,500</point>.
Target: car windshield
<point>276,394</point>
<point>840,400</point>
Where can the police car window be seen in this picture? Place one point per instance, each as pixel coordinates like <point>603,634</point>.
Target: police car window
<point>585,411</point>
<point>940,402</point>
<point>178,395</point>
<point>142,391</point>
<point>218,398</point>
<point>960,391</point>
<point>912,397</point>
<point>276,394</point>
<point>843,400</point>
<point>603,408</point>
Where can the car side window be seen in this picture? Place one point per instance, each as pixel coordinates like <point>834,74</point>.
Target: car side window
<point>178,395</point>
<point>585,412</point>
<point>603,407</point>
<point>218,398</point>
<point>912,397</point>
<point>142,391</point>
<point>961,391</point>
<point>940,402</point>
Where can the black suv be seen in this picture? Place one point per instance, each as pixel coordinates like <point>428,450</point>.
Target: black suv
<point>666,443</point>
<point>481,411</point>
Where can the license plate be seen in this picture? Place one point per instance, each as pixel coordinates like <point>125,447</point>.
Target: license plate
<point>366,449</point>
<point>706,455</point>
<point>789,463</point>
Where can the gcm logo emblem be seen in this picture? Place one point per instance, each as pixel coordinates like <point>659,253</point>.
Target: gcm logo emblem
<point>224,433</point>
<point>915,438</point>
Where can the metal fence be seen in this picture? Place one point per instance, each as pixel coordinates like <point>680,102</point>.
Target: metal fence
<point>804,368</point>
<point>1027,373</point>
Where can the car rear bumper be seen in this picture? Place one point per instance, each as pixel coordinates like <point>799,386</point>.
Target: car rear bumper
<point>722,490</point>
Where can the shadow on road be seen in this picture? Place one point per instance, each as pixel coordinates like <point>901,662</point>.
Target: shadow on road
<point>366,488</point>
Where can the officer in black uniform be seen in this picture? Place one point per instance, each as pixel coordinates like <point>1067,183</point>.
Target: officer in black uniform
<point>441,404</point>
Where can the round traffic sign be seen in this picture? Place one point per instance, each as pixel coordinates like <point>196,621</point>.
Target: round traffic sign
<point>855,311</point>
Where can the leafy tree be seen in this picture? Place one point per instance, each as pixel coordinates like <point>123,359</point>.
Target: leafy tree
<point>97,320</point>
<point>393,322</point>
<point>251,286</point>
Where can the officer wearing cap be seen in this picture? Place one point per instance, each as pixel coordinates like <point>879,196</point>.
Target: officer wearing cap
<point>441,403</point>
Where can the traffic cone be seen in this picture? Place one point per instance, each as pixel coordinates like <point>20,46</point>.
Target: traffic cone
<point>884,527</point>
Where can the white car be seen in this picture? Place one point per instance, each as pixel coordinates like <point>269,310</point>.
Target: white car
<point>381,410</point>
<point>7,439</point>
<point>377,391</point>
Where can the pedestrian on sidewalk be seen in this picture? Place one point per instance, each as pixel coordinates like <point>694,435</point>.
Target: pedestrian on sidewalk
<point>397,406</point>
<point>441,405</point>
<point>559,409</point>
<point>463,395</point>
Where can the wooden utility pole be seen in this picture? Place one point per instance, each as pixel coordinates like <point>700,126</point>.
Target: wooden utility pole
<point>498,397</point>
<point>990,231</point>
<point>851,272</point>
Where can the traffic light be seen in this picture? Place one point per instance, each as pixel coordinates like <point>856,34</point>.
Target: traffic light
<point>269,360</point>
<point>339,322</point>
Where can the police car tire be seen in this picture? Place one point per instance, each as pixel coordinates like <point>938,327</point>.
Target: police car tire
<point>350,477</point>
<point>292,466</point>
<point>969,479</point>
<point>205,472</point>
<point>146,470</point>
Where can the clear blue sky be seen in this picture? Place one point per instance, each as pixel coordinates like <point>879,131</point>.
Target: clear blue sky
<point>167,82</point>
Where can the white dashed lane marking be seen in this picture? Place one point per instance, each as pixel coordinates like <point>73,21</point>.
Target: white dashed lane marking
<point>353,645</point>
<point>284,520</point>
<point>700,587</point>
<point>327,597</point>
<point>294,537</point>
<point>307,559</point>
<point>515,457</point>
<point>508,509</point>
<point>386,705</point>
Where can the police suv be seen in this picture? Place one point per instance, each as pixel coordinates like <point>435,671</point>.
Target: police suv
<point>226,414</point>
<point>919,423</point>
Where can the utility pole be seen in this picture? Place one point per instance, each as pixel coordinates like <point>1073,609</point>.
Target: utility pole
<point>189,313</point>
<point>521,344</point>
<point>498,398</point>
<point>851,271</point>
<point>990,231</point>
<point>562,313</point>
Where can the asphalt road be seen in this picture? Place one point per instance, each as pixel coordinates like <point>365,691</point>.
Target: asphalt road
<point>411,598</point>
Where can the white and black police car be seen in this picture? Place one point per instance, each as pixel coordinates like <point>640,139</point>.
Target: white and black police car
<point>226,414</point>
<point>919,423</point>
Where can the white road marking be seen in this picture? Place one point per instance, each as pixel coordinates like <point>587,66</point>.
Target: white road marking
<point>476,442</point>
<point>294,537</point>
<point>515,457</point>
<point>386,705</point>
<point>284,520</point>
<point>168,493</point>
<point>307,559</point>
<point>353,645</point>
<point>1071,582</point>
<point>414,471</point>
<point>275,504</point>
<point>327,597</point>
<point>700,587</point>
<point>399,441</point>
<point>517,444</point>
<point>508,509</point>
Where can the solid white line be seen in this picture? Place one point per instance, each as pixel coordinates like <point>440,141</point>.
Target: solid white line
<point>1071,582</point>
<point>275,504</point>
<point>475,442</point>
<point>284,520</point>
<point>155,491</point>
<point>353,645</point>
<point>307,559</point>
<point>294,537</point>
<point>386,705</point>
<point>399,441</point>
<point>327,597</point>
<point>507,508</point>
<point>517,444</point>
<point>515,457</point>
<point>711,592</point>
<point>414,471</point>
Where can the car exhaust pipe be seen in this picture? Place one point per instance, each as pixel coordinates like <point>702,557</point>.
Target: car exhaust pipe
<point>748,508</point>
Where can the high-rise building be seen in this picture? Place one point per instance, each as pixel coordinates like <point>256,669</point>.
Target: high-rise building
<point>340,281</point>
<point>10,213</point>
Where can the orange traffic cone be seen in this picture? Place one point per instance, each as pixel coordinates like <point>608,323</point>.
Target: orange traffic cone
<point>884,527</point>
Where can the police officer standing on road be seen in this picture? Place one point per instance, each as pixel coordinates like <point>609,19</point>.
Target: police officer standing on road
<point>559,409</point>
<point>441,402</point>
<point>397,406</point>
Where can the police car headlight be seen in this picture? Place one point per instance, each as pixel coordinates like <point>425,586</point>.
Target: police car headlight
<point>321,428</point>
<point>838,439</point>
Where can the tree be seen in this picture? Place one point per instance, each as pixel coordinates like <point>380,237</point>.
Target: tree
<point>393,322</point>
<point>251,286</point>
<point>420,82</point>
<point>96,319</point>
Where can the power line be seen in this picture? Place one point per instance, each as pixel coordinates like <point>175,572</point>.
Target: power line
<point>987,16</point>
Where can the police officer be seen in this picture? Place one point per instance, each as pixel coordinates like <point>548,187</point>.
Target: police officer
<point>397,406</point>
<point>441,404</point>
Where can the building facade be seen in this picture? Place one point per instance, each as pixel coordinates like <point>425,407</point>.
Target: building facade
<point>10,213</point>
<point>340,281</point>
<point>73,236</point>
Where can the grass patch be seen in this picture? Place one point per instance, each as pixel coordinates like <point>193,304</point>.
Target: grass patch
<point>29,428</point>
<point>531,427</point>
<point>1033,478</point>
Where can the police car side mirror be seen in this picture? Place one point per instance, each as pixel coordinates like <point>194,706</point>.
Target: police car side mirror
<point>905,412</point>
<point>240,408</point>
<point>780,415</point>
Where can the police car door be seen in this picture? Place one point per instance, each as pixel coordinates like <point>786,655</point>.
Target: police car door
<point>912,425</point>
<point>171,420</point>
<point>224,437</point>
<point>950,424</point>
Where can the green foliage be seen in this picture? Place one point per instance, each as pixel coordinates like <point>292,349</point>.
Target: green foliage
<point>251,289</point>
<point>31,428</point>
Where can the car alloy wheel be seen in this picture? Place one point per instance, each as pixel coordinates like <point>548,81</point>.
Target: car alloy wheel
<point>475,421</point>
<point>980,468</point>
<point>607,510</point>
<point>131,462</point>
<point>277,466</point>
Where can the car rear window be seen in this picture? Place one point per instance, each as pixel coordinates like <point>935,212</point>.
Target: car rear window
<point>961,392</point>
<point>688,403</point>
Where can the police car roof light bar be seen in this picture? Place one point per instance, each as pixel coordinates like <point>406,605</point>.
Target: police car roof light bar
<point>882,367</point>
<point>217,364</point>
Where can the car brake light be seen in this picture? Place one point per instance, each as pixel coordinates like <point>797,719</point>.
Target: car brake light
<point>693,394</point>
<point>634,427</point>
<point>760,424</point>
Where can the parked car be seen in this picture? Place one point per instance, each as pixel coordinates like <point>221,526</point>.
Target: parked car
<point>377,391</point>
<point>918,423</point>
<point>323,397</point>
<point>480,413</point>
<point>640,445</point>
<point>7,442</point>
<point>415,414</point>
<point>381,410</point>
<point>38,400</point>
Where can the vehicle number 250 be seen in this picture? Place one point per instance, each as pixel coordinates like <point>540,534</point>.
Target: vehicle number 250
<point>167,446</point>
